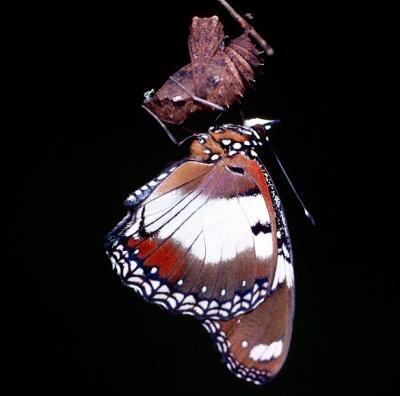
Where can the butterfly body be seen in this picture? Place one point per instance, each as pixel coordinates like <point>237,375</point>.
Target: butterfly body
<point>208,238</point>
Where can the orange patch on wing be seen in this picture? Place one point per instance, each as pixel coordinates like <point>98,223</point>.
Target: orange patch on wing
<point>165,258</point>
<point>253,170</point>
<point>132,242</point>
<point>145,246</point>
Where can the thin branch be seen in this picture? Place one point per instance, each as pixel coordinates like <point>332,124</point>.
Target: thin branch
<point>246,26</point>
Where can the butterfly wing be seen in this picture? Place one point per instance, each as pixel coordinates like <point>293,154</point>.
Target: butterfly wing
<point>254,345</point>
<point>198,240</point>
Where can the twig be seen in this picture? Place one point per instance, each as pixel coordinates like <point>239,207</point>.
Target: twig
<point>246,26</point>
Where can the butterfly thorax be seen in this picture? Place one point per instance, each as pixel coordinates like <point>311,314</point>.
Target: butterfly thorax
<point>224,142</point>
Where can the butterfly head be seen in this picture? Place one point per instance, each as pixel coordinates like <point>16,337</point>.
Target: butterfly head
<point>230,140</point>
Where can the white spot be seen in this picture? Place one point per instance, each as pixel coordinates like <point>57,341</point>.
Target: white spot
<point>180,282</point>
<point>179,297</point>
<point>153,270</point>
<point>198,310</point>
<point>204,289</point>
<point>232,152</point>
<point>177,98</point>
<point>246,143</point>
<point>237,146</point>
<point>162,176</point>
<point>263,245</point>
<point>133,265</point>
<point>284,270</point>
<point>144,188</point>
<point>189,300</point>
<point>289,275</point>
<point>133,227</point>
<point>214,157</point>
<point>207,151</point>
<point>164,289</point>
<point>223,292</point>
<point>155,284</point>
<point>147,288</point>
<point>285,251</point>
<point>160,296</point>
<point>257,121</point>
<point>226,142</point>
<point>236,308</point>
<point>245,344</point>
<point>244,283</point>
<point>253,153</point>
<point>152,183</point>
<point>255,208</point>
<point>172,302</point>
<point>138,271</point>
<point>247,296</point>
<point>279,272</point>
<point>264,352</point>
<point>203,304</point>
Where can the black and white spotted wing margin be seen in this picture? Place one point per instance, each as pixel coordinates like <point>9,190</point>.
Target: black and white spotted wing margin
<point>255,345</point>
<point>196,246</point>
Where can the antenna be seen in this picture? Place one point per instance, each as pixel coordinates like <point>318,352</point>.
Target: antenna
<point>306,212</point>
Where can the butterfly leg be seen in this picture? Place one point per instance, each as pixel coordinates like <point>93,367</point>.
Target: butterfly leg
<point>169,133</point>
<point>163,126</point>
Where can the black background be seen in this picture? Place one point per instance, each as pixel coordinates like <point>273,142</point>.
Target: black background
<point>77,143</point>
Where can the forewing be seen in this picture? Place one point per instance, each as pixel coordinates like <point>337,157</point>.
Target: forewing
<point>198,240</point>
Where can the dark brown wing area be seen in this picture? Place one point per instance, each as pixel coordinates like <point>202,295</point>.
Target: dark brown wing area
<point>216,74</point>
<point>254,346</point>
<point>199,243</point>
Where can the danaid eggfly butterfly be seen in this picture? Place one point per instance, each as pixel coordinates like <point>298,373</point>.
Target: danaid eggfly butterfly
<point>208,238</point>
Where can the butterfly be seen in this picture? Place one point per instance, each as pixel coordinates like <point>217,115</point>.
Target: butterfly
<point>208,238</point>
